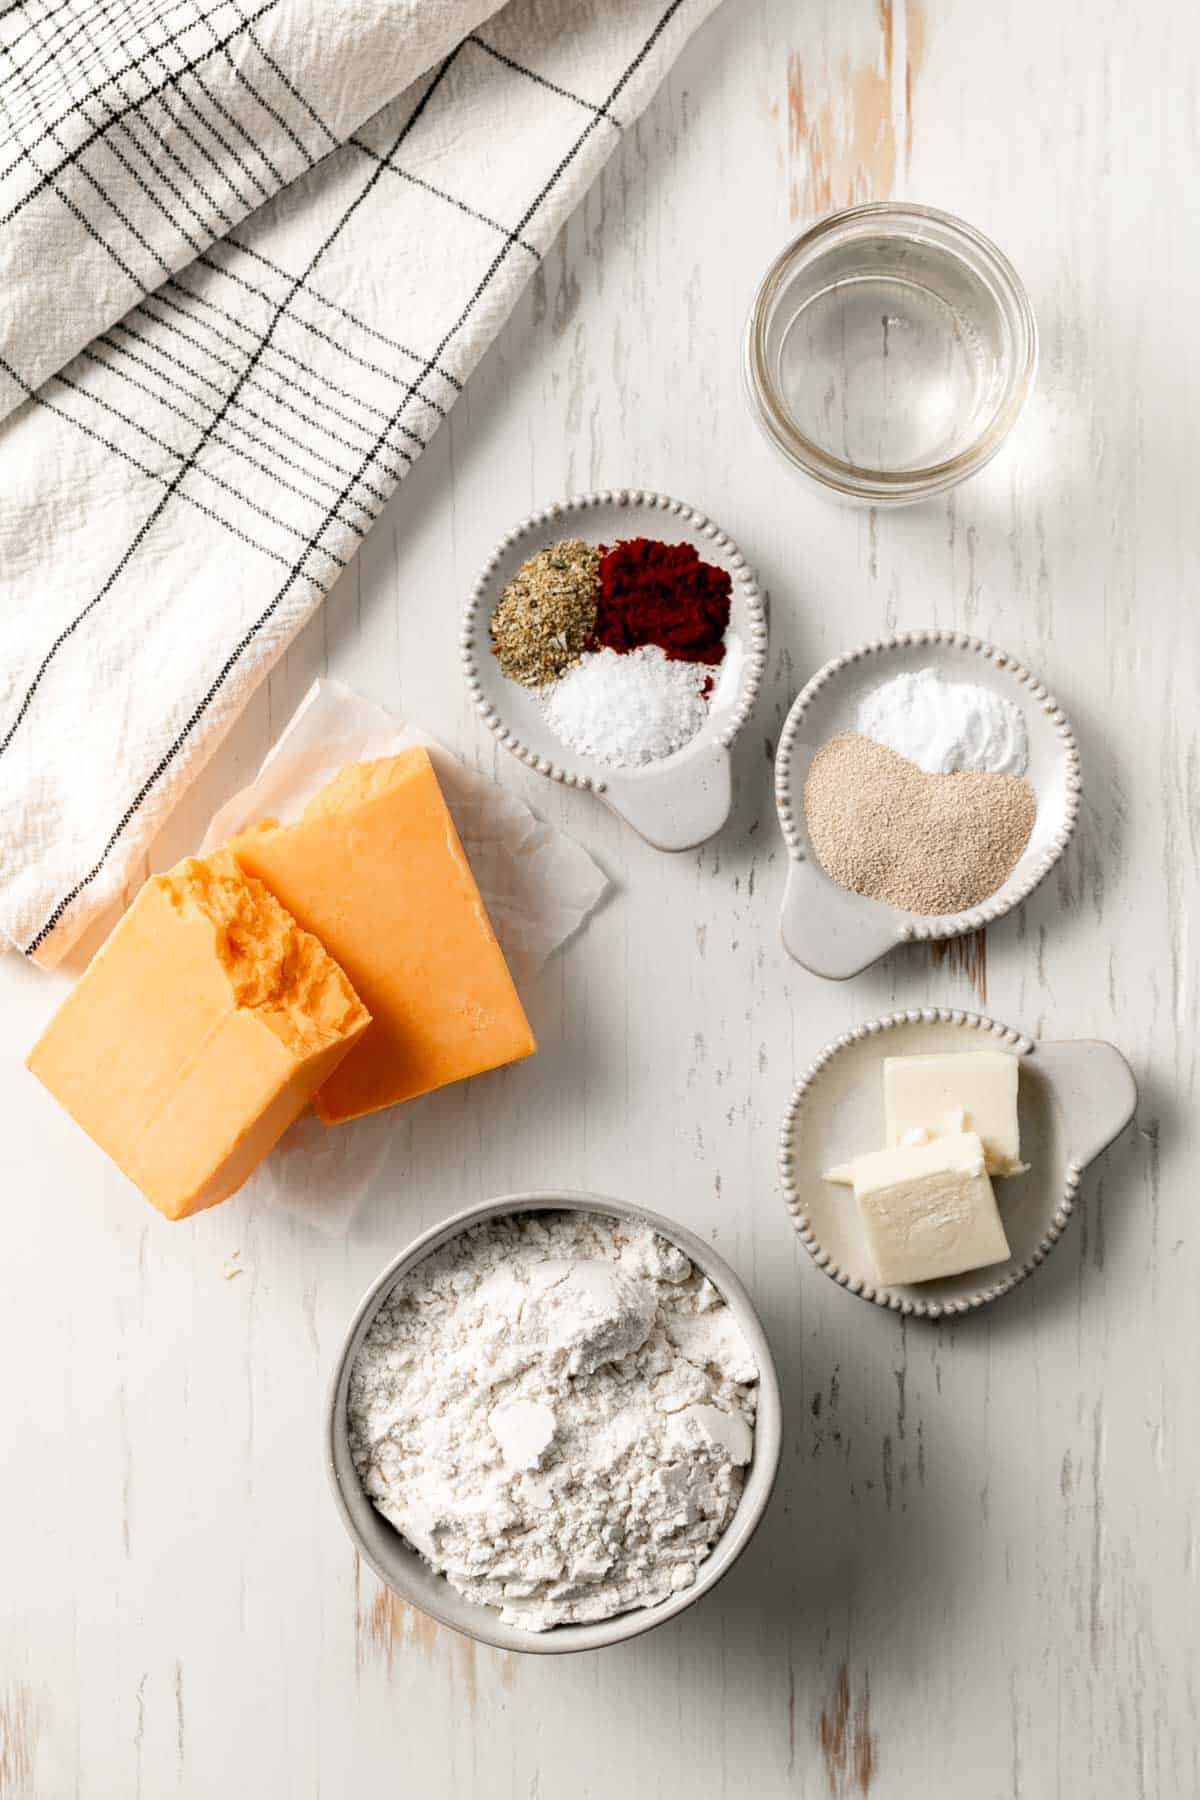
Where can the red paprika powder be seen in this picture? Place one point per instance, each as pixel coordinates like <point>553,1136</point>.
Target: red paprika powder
<point>653,593</point>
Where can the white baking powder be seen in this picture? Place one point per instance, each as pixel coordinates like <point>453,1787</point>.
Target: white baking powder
<point>946,725</point>
<point>556,1410</point>
<point>627,708</point>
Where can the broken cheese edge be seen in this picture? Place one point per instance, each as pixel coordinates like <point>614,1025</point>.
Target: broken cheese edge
<point>200,1030</point>
<point>375,869</point>
<point>929,1210</point>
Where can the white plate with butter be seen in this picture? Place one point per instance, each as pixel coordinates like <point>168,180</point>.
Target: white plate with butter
<point>836,933</point>
<point>685,798</point>
<point>1073,1099</point>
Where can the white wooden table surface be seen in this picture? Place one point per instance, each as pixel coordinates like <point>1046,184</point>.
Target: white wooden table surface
<point>979,1571</point>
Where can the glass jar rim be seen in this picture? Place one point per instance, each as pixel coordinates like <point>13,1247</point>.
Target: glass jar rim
<point>882,486</point>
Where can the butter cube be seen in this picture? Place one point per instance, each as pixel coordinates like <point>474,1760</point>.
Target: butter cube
<point>971,1091</point>
<point>928,1209</point>
<point>199,1031</point>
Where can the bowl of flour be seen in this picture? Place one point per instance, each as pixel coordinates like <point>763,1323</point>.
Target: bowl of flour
<point>555,1422</point>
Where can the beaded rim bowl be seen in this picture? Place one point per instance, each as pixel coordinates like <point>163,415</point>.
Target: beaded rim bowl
<point>1076,1097</point>
<point>683,799</point>
<point>836,933</point>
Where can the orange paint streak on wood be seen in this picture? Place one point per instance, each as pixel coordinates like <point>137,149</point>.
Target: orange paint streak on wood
<point>887,31</point>
<point>964,956</point>
<point>843,135</point>
<point>848,1745</point>
<point>388,1626</point>
<point>831,1730</point>
<point>18,1740</point>
<point>391,1624</point>
<point>863,1741</point>
<point>842,149</point>
<point>914,62</point>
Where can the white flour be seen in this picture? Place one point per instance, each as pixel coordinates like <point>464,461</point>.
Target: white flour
<point>945,725</point>
<point>629,707</point>
<point>556,1410</point>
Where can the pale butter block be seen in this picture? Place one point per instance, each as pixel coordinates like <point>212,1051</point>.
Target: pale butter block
<point>928,1209</point>
<point>971,1090</point>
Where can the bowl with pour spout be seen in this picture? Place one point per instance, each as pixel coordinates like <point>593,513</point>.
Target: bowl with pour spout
<point>682,799</point>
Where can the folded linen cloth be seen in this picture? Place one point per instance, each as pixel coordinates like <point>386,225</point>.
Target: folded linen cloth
<point>313,274</point>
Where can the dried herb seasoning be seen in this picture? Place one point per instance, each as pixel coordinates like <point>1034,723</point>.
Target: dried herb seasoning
<point>546,617</point>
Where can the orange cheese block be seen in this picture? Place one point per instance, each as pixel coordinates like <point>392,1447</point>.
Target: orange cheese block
<point>199,1031</point>
<point>375,869</point>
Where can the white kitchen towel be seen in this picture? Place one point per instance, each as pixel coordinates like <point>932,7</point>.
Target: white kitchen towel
<point>176,500</point>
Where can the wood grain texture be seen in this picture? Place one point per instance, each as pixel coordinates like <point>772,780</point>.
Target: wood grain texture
<point>979,1573</point>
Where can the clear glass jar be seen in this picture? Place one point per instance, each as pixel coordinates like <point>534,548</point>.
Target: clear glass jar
<point>889,352</point>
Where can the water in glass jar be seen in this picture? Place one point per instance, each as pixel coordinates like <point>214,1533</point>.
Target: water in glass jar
<point>892,354</point>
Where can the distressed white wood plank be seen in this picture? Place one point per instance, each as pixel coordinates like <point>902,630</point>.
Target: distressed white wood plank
<point>980,1568</point>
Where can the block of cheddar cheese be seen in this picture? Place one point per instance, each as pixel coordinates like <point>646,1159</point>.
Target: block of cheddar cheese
<point>198,1032</point>
<point>376,870</point>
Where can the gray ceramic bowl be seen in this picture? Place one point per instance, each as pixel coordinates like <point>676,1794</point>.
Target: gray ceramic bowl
<point>397,1564</point>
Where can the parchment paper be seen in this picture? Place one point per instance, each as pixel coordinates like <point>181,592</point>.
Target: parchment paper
<point>538,885</point>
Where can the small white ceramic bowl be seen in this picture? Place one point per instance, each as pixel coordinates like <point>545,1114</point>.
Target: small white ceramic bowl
<point>682,800</point>
<point>397,1564</point>
<point>836,933</point>
<point>1073,1099</point>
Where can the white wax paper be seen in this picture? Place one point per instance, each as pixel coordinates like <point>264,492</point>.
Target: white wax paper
<point>538,885</point>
